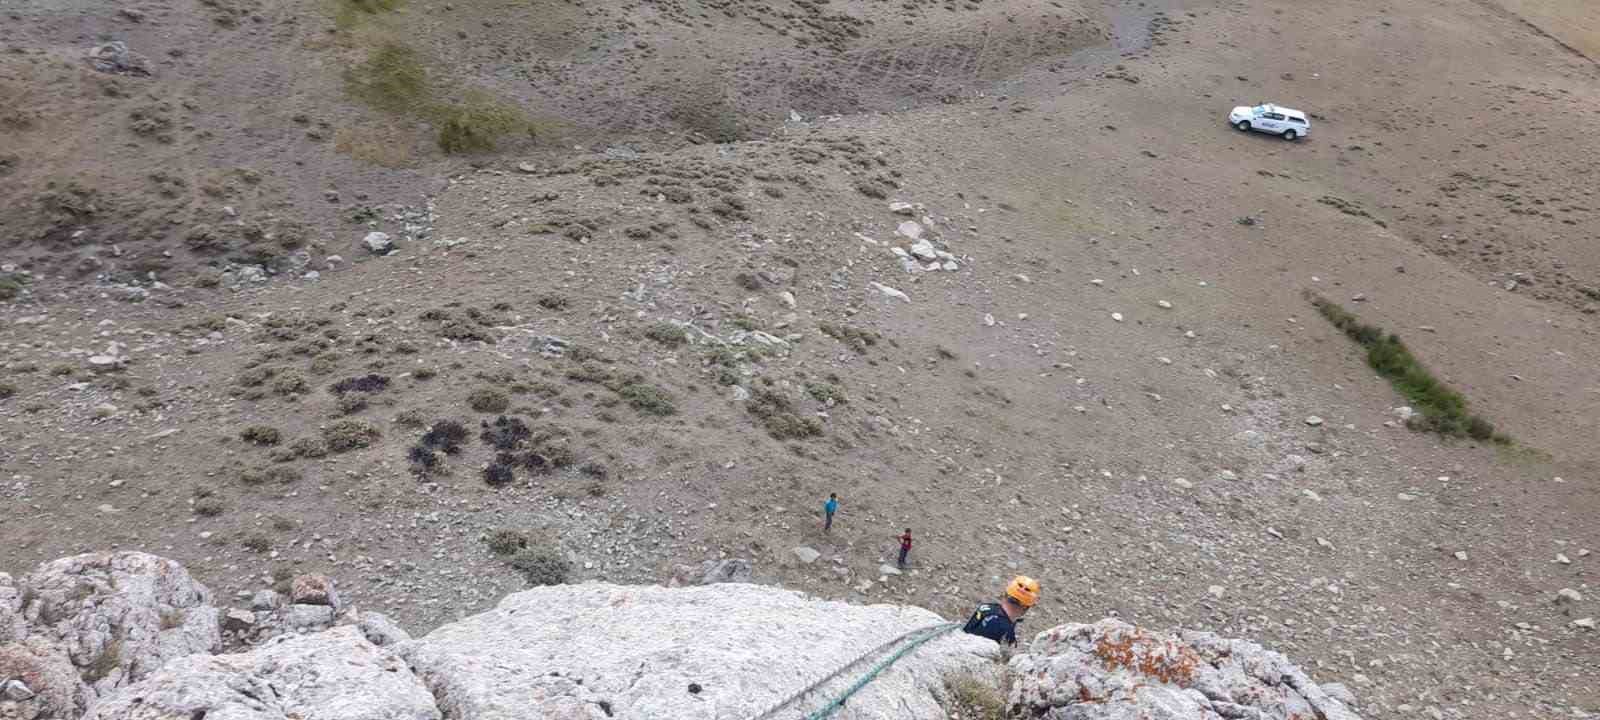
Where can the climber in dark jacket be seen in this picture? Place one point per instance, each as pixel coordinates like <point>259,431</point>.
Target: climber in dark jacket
<point>998,621</point>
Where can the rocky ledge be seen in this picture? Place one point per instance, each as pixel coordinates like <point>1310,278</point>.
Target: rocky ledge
<point>130,636</point>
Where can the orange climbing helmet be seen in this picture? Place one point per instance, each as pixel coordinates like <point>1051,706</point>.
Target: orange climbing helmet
<point>1024,590</point>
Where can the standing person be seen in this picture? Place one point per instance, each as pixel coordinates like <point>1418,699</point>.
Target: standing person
<point>905,547</point>
<point>998,621</point>
<point>828,509</point>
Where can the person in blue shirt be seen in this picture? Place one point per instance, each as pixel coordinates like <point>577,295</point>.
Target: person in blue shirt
<point>828,509</point>
<point>998,621</point>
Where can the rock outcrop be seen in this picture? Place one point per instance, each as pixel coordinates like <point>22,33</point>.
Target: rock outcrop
<point>332,675</point>
<point>1111,670</point>
<point>593,651</point>
<point>115,617</point>
<point>130,636</point>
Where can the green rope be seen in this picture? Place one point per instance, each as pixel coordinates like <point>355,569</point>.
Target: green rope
<point>835,704</point>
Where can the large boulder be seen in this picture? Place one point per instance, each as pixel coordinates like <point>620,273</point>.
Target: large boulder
<point>333,675</point>
<point>596,651</point>
<point>38,681</point>
<point>1111,670</point>
<point>120,616</point>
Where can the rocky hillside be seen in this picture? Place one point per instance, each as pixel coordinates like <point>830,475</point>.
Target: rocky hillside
<point>133,636</point>
<point>287,289</point>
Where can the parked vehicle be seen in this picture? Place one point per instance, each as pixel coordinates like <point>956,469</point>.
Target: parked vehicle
<point>1287,123</point>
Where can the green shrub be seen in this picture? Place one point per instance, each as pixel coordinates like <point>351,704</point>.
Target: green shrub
<point>488,400</point>
<point>648,399</point>
<point>667,334</point>
<point>506,541</point>
<point>777,415</point>
<point>827,394</point>
<point>11,285</point>
<point>541,567</point>
<point>209,506</point>
<point>858,340</point>
<point>260,435</point>
<point>264,476</point>
<point>256,542</point>
<point>391,78</point>
<point>1440,409</point>
<point>346,435</point>
<point>475,125</point>
<point>972,699</point>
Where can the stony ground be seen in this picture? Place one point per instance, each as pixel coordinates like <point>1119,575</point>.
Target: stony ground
<point>1107,380</point>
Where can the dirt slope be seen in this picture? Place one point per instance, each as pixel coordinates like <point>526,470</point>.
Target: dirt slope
<point>632,302</point>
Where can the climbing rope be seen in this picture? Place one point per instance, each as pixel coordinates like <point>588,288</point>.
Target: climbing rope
<point>916,638</point>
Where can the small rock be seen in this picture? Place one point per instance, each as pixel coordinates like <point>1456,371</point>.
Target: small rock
<point>1563,559</point>
<point>887,569</point>
<point>1313,420</point>
<point>1461,555</point>
<point>988,320</point>
<point>909,229</point>
<point>1585,623</point>
<point>378,243</point>
<point>924,250</point>
<point>16,691</point>
<point>1164,305</point>
<point>528,168</point>
<point>794,116</point>
<point>1567,596</point>
<point>1180,482</point>
<point>1116,316</point>
<point>890,292</point>
<point>238,621</point>
<point>787,298</point>
<point>806,555</point>
<point>902,208</point>
<point>313,590</point>
<point>265,600</point>
<point>105,410</point>
<point>1215,591</point>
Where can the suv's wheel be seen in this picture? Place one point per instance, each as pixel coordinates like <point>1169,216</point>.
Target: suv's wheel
<point>1290,135</point>
<point>1244,126</point>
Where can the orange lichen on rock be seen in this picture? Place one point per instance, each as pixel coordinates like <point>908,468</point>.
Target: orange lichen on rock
<point>1163,660</point>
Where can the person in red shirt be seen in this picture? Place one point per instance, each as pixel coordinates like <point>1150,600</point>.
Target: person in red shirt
<point>905,547</point>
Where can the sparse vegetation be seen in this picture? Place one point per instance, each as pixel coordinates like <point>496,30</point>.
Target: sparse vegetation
<point>488,400</point>
<point>497,474</point>
<point>667,334</point>
<point>11,285</point>
<point>393,79</point>
<point>7,390</point>
<point>777,415</point>
<point>446,436</point>
<point>827,394</point>
<point>256,542</point>
<point>346,435</point>
<point>648,399</point>
<point>1440,409</point>
<point>541,567</point>
<point>369,383</point>
<point>506,541</point>
<point>858,340</point>
<point>305,447</point>
<point>265,476</point>
<point>260,435</point>
<point>971,699</point>
<point>209,506</point>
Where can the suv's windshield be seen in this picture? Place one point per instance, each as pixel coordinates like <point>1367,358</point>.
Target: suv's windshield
<point>1259,109</point>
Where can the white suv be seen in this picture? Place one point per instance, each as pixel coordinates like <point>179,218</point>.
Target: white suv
<point>1268,118</point>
